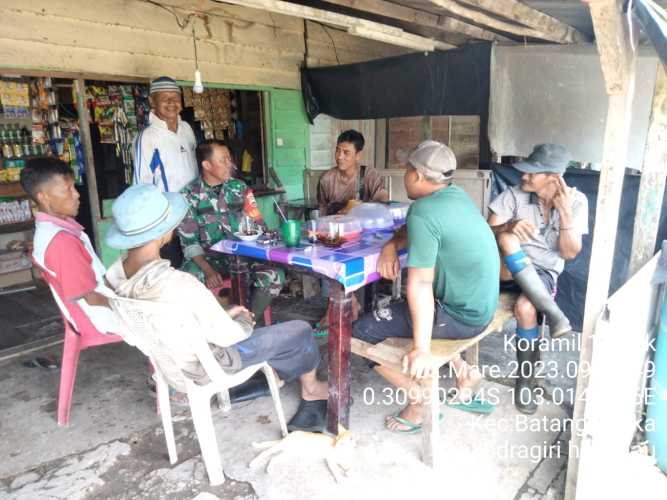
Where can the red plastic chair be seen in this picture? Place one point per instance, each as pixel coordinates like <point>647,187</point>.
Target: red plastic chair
<point>75,342</point>
<point>227,285</point>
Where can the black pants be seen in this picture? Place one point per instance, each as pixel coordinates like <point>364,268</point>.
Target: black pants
<point>374,329</point>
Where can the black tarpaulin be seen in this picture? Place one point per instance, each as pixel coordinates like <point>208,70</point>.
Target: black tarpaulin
<point>452,82</point>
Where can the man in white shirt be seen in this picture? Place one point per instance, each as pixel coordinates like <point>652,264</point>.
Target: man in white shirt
<point>144,220</point>
<point>164,152</point>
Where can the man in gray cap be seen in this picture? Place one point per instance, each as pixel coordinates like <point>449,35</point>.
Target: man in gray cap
<point>164,152</point>
<point>538,225</point>
<point>452,291</point>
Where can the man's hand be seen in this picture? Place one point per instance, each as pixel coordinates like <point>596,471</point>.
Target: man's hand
<point>564,199</point>
<point>388,264</point>
<point>212,278</point>
<point>236,311</point>
<point>522,229</point>
<point>418,364</point>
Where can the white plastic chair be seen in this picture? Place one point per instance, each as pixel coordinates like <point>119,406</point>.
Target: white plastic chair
<point>144,320</point>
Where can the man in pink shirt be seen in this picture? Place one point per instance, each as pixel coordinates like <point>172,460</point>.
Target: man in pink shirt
<point>63,251</point>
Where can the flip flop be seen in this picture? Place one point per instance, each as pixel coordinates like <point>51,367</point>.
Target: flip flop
<point>42,362</point>
<point>321,332</point>
<point>412,428</point>
<point>475,405</point>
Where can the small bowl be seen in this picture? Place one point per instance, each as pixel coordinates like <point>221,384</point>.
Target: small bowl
<point>248,237</point>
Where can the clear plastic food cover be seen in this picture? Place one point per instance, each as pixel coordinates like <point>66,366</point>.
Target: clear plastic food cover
<point>373,216</point>
<point>399,210</point>
<point>335,230</point>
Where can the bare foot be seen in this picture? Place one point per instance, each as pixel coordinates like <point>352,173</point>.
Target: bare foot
<point>355,308</point>
<point>318,390</point>
<point>412,413</point>
<point>468,383</point>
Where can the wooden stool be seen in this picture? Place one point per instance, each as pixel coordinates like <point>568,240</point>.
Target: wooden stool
<point>390,353</point>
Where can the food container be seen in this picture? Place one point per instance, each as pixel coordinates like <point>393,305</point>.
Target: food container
<point>336,230</point>
<point>252,236</point>
<point>373,216</point>
<point>399,211</point>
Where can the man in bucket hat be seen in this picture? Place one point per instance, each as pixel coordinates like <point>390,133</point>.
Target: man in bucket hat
<point>538,225</point>
<point>452,290</point>
<point>164,152</point>
<point>144,220</point>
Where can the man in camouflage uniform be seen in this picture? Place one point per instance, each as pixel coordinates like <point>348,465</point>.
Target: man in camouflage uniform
<point>217,204</point>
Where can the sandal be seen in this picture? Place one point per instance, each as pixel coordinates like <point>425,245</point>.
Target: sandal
<point>42,362</point>
<point>412,427</point>
<point>321,332</point>
<point>476,405</point>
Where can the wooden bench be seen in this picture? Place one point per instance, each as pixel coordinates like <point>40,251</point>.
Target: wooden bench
<point>390,353</point>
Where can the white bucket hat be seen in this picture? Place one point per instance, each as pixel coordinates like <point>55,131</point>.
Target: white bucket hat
<point>142,214</point>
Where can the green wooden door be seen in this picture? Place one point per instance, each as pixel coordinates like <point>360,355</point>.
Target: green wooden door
<point>289,146</point>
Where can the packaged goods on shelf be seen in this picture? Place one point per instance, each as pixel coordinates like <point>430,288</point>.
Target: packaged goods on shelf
<point>15,211</point>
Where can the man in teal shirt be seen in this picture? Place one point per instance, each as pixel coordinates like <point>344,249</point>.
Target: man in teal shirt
<point>453,269</point>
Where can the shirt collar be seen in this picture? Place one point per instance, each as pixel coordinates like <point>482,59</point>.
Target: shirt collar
<point>68,224</point>
<point>533,199</point>
<point>153,119</point>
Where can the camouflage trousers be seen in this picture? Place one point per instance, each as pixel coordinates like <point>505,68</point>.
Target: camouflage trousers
<point>262,277</point>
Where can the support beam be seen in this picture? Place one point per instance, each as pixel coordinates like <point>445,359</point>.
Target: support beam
<point>91,177</point>
<point>528,16</point>
<point>494,23</point>
<point>608,22</point>
<point>422,18</point>
<point>355,26</point>
<point>652,184</point>
<point>611,39</point>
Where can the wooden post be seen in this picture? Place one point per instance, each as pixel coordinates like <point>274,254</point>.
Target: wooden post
<point>87,144</point>
<point>240,277</point>
<point>618,66</point>
<point>431,452</point>
<point>340,333</point>
<point>652,185</point>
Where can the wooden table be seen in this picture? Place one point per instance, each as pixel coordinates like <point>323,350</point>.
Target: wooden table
<point>348,268</point>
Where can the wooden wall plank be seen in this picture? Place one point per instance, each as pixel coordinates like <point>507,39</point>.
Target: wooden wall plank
<point>146,15</point>
<point>135,38</point>
<point>75,33</point>
<point>44,56</point>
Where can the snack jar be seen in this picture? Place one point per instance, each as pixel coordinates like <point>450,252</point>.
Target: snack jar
<point>335,230</point>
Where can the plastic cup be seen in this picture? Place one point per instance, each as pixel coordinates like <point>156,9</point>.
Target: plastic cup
<point>291,230</point>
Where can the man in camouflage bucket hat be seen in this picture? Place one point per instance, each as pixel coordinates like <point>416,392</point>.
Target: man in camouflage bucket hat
<point>216,205</point>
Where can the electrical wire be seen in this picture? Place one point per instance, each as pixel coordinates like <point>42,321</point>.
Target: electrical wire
<point>332,42</point>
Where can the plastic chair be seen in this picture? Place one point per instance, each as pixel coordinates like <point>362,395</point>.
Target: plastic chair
<point>144,320</point>
<point>227,285</point>
<point>75,341</point>
<point>74,344</point>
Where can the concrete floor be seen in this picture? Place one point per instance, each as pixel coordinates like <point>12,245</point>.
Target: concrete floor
<point>114,447</point>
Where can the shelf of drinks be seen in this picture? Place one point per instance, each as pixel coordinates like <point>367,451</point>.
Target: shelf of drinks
<point>27,157</point>
<point>16,227</point>
<point>12,189</point>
